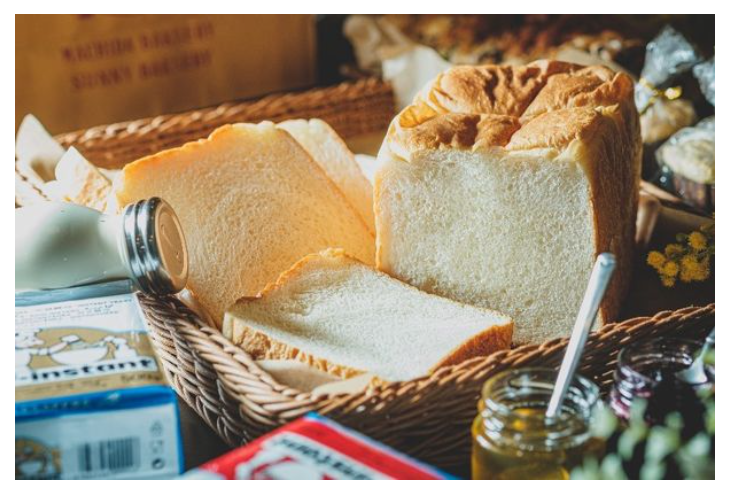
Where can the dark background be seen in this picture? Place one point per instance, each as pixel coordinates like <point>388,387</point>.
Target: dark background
<point>334,50</point>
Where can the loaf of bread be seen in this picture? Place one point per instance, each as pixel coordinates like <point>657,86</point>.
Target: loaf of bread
<point>499,186</point>
<point>338,162</point>
<point>346,318</point>
<point>251,202</point>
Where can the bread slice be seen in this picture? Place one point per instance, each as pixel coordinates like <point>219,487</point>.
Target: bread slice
<point>251,202</point>
<point>500,185</point>
<point>297,374</point>
<point>346,318</point>
<point>79,181</point>
<point>338,162</point>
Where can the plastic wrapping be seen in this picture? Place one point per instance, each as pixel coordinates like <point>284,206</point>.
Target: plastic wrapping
<point>691,152</point>
<point>658,95</point>
<point>668,55</point>
<point>688,163</point>
<point>706,74</point>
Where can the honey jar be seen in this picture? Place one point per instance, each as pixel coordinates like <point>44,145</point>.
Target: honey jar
<point>514,439</point>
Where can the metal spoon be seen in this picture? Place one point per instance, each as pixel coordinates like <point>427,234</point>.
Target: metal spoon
<point>598,282</point>
<point>696,373</point>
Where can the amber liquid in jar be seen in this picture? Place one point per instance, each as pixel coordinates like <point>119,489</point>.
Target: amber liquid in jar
<point>514,440</point>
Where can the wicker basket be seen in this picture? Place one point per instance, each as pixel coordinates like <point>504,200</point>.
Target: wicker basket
<point>351,108</point>
<point>428,418</point>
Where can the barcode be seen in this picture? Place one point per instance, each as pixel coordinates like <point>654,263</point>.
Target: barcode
<point>114,455</point>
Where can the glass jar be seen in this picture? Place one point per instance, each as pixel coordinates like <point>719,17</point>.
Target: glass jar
<point>513,438</point>
<point>60,245</point>
<point>649,371</point>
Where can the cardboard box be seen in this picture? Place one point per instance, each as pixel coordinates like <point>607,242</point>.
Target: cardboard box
<point>90,398</point>
<point>76,71</point>
<point>314,448</point>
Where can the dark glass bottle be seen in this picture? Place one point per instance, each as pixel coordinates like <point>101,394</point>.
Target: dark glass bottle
<point>650,371</point>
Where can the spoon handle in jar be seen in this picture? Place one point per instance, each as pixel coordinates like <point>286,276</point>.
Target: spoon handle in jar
<point>601,274</point>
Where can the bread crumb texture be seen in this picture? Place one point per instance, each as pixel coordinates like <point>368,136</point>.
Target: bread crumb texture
<point>336,314</point>
<point>251,201</point>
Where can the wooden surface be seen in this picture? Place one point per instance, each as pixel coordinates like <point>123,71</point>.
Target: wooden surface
<point>200,443</point>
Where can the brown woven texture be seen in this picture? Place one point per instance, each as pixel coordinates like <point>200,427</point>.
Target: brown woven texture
<point>351,108</point>
<point>428,418</point>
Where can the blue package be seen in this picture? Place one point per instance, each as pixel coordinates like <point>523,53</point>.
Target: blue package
<point>91,401</point>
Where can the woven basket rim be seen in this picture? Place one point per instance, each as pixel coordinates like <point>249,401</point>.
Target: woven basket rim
<point>427,418</point>
<point>213,346</point>
<point>109,130</point>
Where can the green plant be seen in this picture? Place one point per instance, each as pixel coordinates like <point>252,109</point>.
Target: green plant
<point>683,446</point>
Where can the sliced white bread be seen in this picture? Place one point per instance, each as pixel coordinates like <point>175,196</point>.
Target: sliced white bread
<point>297,374</point>
<point>251,202</point>
<point>338,162</point>
<point>79,181</point>
<point>346,318</point>
<point>500,185</point>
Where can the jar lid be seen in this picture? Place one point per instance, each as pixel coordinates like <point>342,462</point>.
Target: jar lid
<point>155,246</point>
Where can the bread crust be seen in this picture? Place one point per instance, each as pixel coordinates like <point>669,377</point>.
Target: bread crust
<point>261,346</point>
<point>493,339</point>
<point>495,106</point>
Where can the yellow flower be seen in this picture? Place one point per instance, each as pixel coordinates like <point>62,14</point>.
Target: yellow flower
<point>670,269</point>
<point>688,260</point>
<point>697,241</point>
<point>674,250</point>
<point>656,259</point>
<point>668,281</point>
<point>691,269</point>
<point>705,268</point>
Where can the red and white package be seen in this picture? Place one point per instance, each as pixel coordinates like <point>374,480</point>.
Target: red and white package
<point>315,448</point>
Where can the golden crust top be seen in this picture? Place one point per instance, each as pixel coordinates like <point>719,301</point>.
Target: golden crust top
<point>546,104</point>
